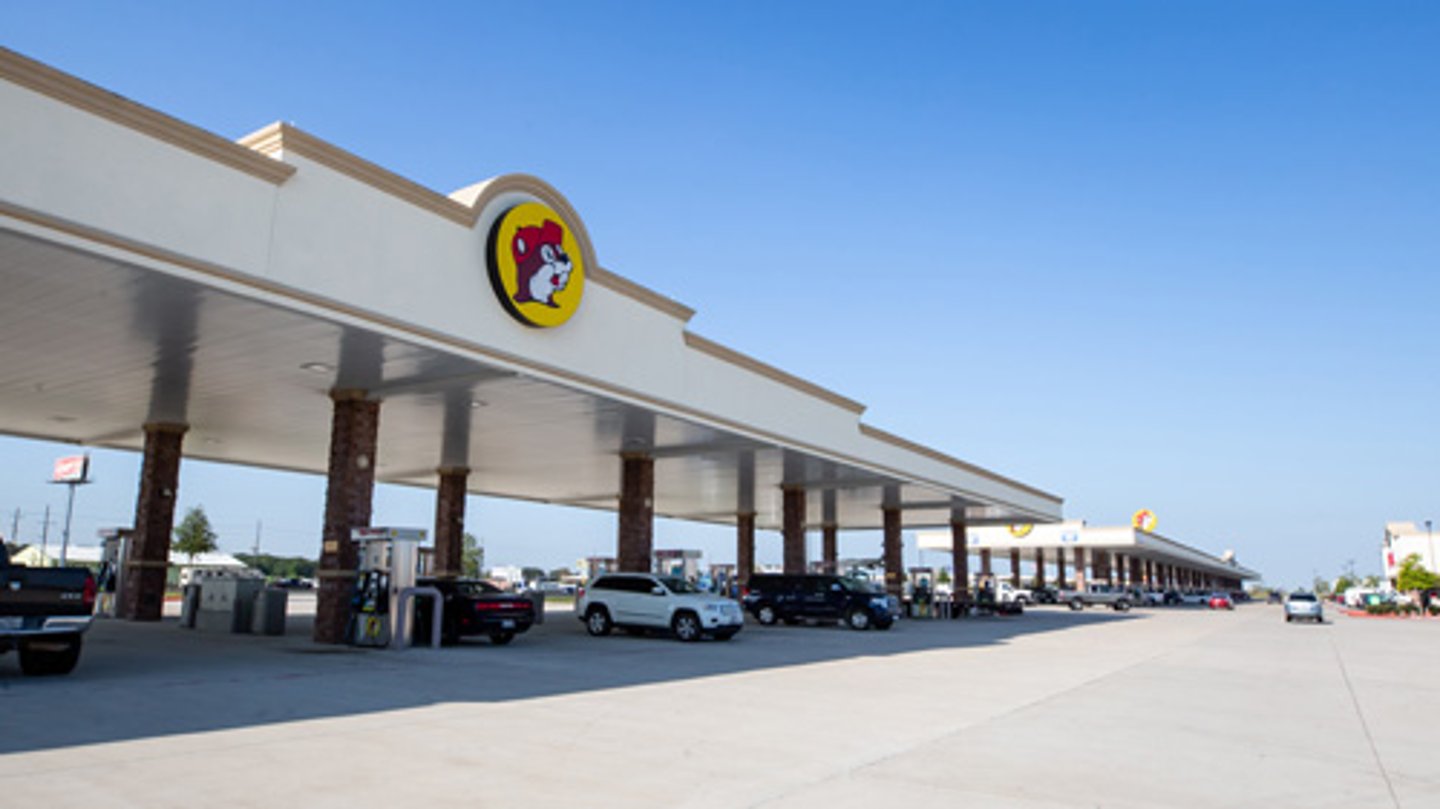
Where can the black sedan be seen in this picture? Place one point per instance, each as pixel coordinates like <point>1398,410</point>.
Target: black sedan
<point>474,607</point>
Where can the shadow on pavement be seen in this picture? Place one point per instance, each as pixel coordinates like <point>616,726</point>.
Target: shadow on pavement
<point>149,680</point>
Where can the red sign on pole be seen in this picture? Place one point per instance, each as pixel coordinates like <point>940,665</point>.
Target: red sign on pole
<point>71,469</point>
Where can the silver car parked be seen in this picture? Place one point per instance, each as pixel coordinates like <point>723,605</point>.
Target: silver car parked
<point>1304,606</point>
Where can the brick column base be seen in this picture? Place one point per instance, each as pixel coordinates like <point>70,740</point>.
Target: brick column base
<point>637,513</point>
<point>960,560</point>
<point>350,490</point>
<point>149,555</point>
<point>450,523</point>
<point>893,553</point>
<point>744,547</point>
<point>830,547</point>
<point>792,529</point>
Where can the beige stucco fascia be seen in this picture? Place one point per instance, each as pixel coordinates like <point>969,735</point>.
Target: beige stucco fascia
<point>82,95</point>
<point>770,372</point>
<point>949,460</point>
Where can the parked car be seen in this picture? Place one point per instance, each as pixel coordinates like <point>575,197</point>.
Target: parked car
<point>1045,594</point>
<point>1220,601</point>
<point>793,598</point>
<point>474,607</point>
<point>645,601</point>
<point>1194,599</point>
<point>1116,598</point>
<point>44,611</point>
<point>1304,606</point>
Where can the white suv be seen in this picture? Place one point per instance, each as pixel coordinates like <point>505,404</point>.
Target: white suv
<point>643,601</point>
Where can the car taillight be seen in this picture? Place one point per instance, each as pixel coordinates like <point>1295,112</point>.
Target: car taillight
<point>502,605</point>
<point>580,592</point>
<point>89,595</point>
<point>744,592</point>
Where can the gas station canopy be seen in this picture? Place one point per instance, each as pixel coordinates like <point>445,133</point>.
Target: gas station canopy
<point>156,273</point>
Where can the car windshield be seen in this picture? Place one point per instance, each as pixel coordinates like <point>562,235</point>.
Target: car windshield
<point>677,585</point>
<point>477,588</point>
<point>1301,597</point>
<point>856,585</point>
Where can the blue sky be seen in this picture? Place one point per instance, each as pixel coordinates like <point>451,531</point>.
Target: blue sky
<point>1166,255</point>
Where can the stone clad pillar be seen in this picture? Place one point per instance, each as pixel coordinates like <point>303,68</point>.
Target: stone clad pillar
<point>147,561</point>
<point>354,428</point>
<point>985,562</point>
<point>830,547</point>
<point>744,547</point>
<point>1119,570</point>
<point>1060,568</point>
<point>1079,568</point>
<point>1137,575</point>
<point>637,513</point>
<point>893,552</point>
<point>793,527</point>
<point>960,560</point>
<point>450,523</point>
<point>1015,568</point>
<point>1039,567</point>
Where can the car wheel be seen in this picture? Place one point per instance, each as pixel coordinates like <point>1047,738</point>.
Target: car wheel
<point>686,627</point>
<point>597,622</point>
<point>1122,606</point>
<point>1289,618</point>
<point>58,655</point>
<point>857,619</point>
<point>766,615</point>
<point>502,638</point>
<point>1076,604</point>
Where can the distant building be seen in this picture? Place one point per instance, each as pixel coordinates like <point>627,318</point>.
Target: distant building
<point>1402,539</point>
<point>183,569</point>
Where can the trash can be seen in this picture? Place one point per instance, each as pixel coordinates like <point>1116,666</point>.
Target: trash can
<point>537,597</point>
<point>189,605</point>
<point>268,615</point>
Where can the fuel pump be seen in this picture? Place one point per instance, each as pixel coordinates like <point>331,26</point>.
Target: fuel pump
<point>388,558</point>
<point>115,547</point>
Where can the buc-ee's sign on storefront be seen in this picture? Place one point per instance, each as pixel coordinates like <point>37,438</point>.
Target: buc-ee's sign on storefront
<point>536,265</point>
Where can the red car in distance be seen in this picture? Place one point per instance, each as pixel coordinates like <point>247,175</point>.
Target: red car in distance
<point>1220,601</point>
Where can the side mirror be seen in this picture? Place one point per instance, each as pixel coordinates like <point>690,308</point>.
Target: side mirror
<point>657,590</point>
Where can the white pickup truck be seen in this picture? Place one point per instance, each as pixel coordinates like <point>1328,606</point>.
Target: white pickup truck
<point>1119,599</point>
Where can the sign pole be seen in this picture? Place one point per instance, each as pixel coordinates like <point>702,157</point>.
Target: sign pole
<point>69,511</point>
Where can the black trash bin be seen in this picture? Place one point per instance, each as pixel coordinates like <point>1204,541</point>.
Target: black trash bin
<point>189,605</point>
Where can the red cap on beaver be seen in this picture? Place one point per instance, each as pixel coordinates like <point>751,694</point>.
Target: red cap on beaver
<point>530,237</point>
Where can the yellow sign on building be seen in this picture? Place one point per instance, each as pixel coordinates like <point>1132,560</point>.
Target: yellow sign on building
<point>536,265</point>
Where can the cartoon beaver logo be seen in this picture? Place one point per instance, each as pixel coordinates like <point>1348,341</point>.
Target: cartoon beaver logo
<point>541,264</point>
<point>537,264</point>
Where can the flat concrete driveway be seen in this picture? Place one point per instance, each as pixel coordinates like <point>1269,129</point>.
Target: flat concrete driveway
<point>1161,708</point>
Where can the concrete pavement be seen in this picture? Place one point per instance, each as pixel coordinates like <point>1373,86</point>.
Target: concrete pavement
<point>1159,708</point>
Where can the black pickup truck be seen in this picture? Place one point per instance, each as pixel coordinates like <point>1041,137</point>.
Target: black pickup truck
<point>43,614</point>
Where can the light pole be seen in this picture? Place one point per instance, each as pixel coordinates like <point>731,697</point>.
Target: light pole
<point>1430,539</point>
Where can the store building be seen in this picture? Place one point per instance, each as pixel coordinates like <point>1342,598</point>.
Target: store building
<point>1405,539</point>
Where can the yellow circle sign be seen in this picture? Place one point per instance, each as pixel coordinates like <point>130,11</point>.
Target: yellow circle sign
<point>1144,519</point>
<point>1020,531</point>
<point>536,265</point>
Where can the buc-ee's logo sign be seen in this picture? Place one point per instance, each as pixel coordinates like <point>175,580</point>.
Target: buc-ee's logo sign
<point>536,265</point>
